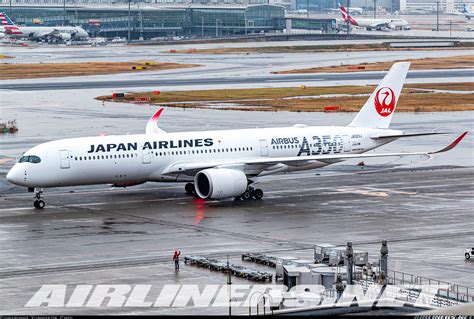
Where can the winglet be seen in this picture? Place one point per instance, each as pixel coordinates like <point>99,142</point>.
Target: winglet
<point>452,145</point>
<point>151,126</point>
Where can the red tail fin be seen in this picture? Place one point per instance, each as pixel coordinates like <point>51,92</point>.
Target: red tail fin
<point>347,17</point>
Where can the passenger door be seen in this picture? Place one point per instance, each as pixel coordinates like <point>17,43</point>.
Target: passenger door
<point>146,156</point>
<point>264,147</point>
<point>346,140</point>
<point>64,161</point>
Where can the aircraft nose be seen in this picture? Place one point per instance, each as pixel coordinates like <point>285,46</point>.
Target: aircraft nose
<point>14,176</point>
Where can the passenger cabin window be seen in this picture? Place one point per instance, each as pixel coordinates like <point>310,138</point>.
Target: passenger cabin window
<point>29,159</point>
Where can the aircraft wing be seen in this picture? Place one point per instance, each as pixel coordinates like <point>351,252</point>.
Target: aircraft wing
<point>48,33</point>
<point>191,168</point>
<point>380,24</point>
<point>42,34</point>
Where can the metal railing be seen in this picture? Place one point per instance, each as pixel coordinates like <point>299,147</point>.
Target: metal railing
<point>454,292</point>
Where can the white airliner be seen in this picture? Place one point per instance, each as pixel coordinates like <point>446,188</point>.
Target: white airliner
<point>468,14</point>
<point>36,33</point>
<point>216,164</point>
<point>353,10</point>
<point>302,11</point>
<point>374,24</point>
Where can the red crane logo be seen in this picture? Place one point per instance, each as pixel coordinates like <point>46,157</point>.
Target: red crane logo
<point>385,101</point>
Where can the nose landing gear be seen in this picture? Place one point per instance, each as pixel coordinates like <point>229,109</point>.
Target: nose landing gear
<point>39,203</point>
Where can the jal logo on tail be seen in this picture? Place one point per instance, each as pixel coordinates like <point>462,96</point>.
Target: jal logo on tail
<point>385,101</point>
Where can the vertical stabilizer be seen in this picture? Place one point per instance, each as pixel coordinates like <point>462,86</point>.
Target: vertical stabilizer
<point>377,112</point>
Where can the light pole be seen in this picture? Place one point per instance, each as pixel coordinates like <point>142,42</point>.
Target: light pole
<point>202,27</point>
<point>245,21</point>
<point>217,27</point>
<point>128,22</point>
<point>375,9</point>
<point>75,11</point>
<point>348,19</point>
<point>64,12</point>
<point>141,24</point>
<point>229,283</point>
<point>437,16</point>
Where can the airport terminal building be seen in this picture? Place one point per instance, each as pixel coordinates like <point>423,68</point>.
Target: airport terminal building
<point>156,21</point>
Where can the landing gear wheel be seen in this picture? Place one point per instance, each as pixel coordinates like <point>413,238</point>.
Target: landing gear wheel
<point>39,204</point>
<point>467,256</point>
<point>246,195</point>
<point>258,193</point>
<point>189,188</point>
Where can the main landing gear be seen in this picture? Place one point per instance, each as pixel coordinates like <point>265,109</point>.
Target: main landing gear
<point>39,203</point>
<point>251,193</point>
<point>189,188</point>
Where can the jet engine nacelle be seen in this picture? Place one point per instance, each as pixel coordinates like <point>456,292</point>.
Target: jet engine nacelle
<point>65,36</point>
<point>219,183</point>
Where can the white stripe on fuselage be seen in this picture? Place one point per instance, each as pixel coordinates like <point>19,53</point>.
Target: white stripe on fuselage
<point>145,157</point>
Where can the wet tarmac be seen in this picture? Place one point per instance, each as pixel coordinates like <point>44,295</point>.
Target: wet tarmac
<point>113,236</point>
<point>444,75</point>
<point>220,70</point>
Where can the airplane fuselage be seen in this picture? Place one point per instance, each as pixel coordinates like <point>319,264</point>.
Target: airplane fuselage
<point>125,160</point>
<point>38,32</point>
<point>380,23</point>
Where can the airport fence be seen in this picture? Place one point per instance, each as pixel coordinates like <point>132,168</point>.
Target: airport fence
<point>454,292</point>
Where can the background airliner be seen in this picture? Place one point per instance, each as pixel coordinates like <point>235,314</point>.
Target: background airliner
<point>467,13</point>
<point>353,10</point>
<point>216,164</point>
<point>36,33</point>
<point>374,24</point>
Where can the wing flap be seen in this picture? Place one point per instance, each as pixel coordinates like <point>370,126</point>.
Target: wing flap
<point>405,135</point>
<point>42,34</point>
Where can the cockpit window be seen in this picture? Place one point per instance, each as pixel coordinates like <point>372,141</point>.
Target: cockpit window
<point>29,159</point>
